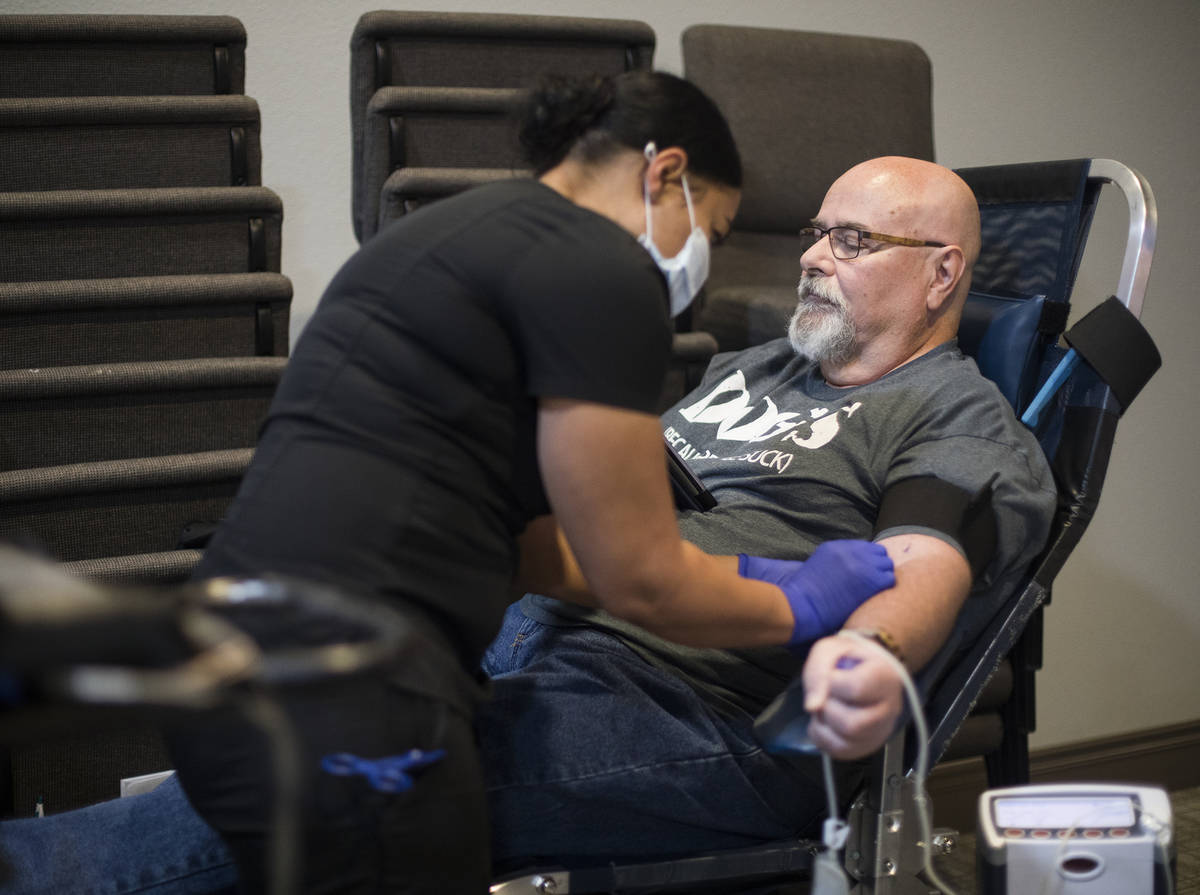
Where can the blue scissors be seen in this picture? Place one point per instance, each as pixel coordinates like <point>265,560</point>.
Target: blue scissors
<point>389,774</point>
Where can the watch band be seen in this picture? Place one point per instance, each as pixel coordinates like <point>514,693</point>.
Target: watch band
<point>884,639</point>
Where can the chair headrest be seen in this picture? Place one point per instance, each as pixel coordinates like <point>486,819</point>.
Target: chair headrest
<point>1001,334</point>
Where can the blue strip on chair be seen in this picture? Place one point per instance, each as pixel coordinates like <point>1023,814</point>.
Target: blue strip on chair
<point>1115,344</point>
<point>1061,374</point>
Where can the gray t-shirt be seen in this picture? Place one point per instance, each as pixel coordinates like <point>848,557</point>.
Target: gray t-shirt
<point>793,461</point>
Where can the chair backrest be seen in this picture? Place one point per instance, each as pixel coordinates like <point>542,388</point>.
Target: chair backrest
<point>475,50</point>
<point>53,416</point>
<point>1035,220</point>
<point>781,91</point>
<point>101,143</point>
<point>66,769</point>
<point>119,233</point>
<point>769,81</point>
<point>431,128</point>
<point>166,567</point>
<point>121,55</point>
<point>126,319</point>
<point>117,507</point>
<point>408,189</point>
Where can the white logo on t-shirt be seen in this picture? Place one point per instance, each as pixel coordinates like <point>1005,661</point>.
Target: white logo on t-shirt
<point>730,416</point>
<point>728,406</point>
<point>729,413</point>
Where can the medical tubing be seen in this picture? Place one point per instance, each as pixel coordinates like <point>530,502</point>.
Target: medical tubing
<point>1161,846</point>
<point>266,714</point>
<point>830,786</point>
<point>1051,877</point>
<point>1160,842</point>
<point>921,768</point>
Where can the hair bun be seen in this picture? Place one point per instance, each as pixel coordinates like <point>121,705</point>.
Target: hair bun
<point>558,112</point>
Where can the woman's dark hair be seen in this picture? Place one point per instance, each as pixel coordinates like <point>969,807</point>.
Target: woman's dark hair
<point>594,117</point>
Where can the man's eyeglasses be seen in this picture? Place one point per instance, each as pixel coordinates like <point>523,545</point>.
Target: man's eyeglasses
<point>847,242</point>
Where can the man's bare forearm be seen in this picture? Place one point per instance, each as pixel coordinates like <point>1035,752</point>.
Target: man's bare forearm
<point>932,581</point>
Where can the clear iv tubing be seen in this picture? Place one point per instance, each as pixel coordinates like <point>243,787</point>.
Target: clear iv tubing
<point>1156,822</point>
<point>920,769</point>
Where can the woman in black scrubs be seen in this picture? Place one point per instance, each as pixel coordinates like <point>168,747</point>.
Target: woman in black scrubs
<point>492,359</point>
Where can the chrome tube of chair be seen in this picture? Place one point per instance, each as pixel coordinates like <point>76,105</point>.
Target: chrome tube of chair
<point>1143,229</point>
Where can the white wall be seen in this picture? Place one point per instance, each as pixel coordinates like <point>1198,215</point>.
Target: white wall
<point>1021,80</point>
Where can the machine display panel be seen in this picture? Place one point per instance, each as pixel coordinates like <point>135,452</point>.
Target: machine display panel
<point>1064,813</point>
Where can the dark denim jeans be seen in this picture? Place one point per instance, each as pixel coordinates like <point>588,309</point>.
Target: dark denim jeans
<point>152,843</point>
<point>590,751</point>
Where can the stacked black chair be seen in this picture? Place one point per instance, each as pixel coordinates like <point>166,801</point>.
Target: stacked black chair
<point>783,92</point>
<point>124,319</point>
<point>143,317</point>
<point>121,55</point>
<point>102,142</point>
<point>431,93</point>
<point>431,103</point>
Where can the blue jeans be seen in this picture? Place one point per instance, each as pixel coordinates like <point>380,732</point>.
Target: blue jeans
<point>151,843</point>
<point>590,751</point>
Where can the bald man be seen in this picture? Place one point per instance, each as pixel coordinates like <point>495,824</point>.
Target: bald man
<point>603,740</point>
<point>871,302</point>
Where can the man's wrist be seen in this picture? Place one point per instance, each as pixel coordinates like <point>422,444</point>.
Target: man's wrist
<point>883,638</point>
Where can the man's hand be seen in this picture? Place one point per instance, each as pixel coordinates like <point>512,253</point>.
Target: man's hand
<point>853,694</point>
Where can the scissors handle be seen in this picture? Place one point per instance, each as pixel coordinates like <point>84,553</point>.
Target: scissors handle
<point>389,774</point>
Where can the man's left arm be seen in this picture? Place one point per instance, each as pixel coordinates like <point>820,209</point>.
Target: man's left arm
<point>854,710</point>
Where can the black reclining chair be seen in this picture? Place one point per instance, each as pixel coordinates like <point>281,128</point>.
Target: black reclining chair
<point>1035,219</point>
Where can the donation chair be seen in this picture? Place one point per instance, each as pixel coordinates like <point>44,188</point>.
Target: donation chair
<point>1036,219</point>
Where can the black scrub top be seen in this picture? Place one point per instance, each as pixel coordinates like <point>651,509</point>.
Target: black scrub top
<point>398,457</point>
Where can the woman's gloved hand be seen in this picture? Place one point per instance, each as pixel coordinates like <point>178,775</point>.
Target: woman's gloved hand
<point>827,587</point>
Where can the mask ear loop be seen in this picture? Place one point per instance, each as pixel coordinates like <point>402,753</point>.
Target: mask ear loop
<point>649,152</point>
<point>687,194</point>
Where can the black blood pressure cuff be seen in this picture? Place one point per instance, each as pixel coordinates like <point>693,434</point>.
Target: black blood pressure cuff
<point>925,501</point>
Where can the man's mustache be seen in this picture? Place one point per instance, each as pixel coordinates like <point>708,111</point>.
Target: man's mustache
<point>816,291</point>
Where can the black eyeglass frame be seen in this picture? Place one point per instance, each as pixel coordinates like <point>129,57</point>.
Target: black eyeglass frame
<point>819,233</point>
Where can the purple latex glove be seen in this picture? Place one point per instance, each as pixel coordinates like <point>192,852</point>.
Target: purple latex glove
<point>826,588</point>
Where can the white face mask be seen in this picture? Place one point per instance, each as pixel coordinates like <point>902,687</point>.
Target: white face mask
<point>686,271</point>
